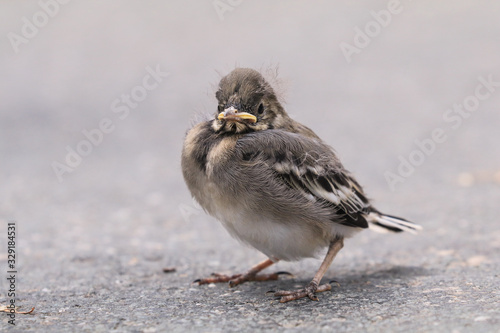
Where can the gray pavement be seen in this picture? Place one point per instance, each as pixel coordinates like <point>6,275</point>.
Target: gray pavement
<point>100,213</point>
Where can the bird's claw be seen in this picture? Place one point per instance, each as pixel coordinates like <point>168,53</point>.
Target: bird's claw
<point>309,291</point>
<point>335,282</point>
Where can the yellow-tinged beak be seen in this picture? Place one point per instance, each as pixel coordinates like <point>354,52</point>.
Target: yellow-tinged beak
<point>234,115</point>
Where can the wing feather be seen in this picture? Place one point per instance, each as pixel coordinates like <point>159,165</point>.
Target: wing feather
<point>310,167</point>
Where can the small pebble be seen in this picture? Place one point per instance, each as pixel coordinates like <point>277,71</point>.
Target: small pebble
<point>169,270</point>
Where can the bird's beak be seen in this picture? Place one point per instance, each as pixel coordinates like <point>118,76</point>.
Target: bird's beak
<point>234,115</point>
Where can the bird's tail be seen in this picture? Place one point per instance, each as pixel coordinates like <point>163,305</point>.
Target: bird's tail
<point>386,223</point>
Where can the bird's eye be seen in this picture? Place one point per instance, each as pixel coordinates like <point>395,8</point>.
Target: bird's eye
<point>261,109</point>
<point>221,108</point>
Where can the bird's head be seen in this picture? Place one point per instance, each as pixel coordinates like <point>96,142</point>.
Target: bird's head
<point>247,103</point>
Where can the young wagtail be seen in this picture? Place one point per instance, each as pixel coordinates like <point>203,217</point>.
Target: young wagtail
<point>274,184</point>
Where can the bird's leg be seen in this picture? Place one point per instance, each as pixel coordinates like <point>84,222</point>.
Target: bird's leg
<point>313,287</point>
<point>251,275</point>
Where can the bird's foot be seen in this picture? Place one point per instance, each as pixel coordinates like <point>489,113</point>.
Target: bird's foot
<point>309,291</point>
<point>237,279</point>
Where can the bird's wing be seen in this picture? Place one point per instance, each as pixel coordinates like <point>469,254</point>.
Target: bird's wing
<point>309,166</point>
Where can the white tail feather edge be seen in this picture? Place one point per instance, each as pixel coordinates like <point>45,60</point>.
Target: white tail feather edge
<point>378,222</point>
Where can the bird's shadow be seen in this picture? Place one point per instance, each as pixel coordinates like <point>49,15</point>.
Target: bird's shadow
<point>389,273</point>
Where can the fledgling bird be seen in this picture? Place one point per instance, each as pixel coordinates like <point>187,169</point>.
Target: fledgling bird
<point>274,184</point>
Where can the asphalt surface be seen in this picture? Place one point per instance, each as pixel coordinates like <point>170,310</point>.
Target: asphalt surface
<point>95,231</point>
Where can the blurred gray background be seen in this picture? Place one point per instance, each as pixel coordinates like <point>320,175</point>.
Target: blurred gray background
<point>92,241</point>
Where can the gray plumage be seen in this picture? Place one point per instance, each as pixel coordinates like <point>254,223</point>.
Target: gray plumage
<point>271,181</point>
